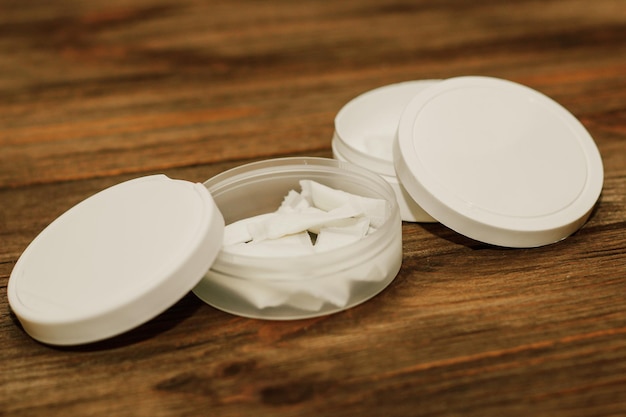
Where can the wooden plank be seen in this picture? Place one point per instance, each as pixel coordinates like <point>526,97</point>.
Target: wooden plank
<point>94,93</point>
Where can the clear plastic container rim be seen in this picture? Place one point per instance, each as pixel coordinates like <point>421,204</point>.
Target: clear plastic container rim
<point>316,264</point>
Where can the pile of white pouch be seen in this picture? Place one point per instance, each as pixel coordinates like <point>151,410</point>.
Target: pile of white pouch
<point>317,219</point>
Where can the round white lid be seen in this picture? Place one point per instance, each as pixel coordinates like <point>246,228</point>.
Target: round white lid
<point>115,260</point>
<point>498,162</point>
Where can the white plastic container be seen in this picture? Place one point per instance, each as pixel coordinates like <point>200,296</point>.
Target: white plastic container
<point>302,286</point>
<point>491,159</point>
<point>127,253</point>
<point>365,130</point>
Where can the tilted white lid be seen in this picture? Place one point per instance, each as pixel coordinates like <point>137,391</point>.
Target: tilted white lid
<point>497,161</point>
<point>115,260</point>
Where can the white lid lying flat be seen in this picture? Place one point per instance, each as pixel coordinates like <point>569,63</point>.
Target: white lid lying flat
<point>115,260</point>
<point>498,162</point>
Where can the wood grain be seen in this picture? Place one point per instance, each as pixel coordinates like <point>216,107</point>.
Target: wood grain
<point>93,93</point>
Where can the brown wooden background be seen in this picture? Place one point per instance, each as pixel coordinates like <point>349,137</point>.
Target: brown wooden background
<point>96,92</point>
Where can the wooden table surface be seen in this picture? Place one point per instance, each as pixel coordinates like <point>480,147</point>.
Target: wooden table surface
<point>96,92</point>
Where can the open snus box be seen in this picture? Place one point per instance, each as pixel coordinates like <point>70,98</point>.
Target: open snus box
<point>304,237</point>
<point>294,238</point>
<point>494,160</point>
